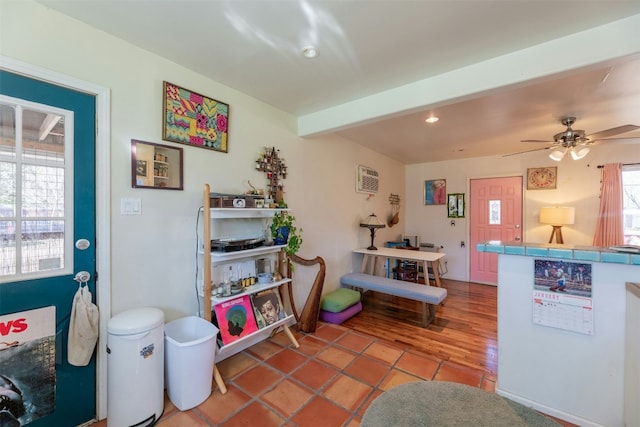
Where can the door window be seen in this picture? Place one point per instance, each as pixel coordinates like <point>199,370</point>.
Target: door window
<point>35,168</point>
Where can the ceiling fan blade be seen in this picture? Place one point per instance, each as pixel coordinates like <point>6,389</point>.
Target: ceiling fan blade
<point>536,140</point>
<point>530,151</point>
<point>623,140</point>
<point>611,132</point>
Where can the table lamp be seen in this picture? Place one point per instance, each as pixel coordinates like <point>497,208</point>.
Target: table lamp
<point>557,216</point>
<point>372,223</point>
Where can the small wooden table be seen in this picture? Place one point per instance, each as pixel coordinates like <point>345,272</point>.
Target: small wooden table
<point>428,259</point>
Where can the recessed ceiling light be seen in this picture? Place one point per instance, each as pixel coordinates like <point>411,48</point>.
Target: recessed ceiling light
<point>310,52</point>
<point>432,119</point>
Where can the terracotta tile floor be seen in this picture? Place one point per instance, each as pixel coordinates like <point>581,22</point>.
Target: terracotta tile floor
<point>328,381</point>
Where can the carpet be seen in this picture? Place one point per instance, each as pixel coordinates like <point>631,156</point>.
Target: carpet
<point>446,404</point>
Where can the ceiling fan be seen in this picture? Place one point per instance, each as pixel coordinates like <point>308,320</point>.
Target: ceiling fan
<point>576,142</point>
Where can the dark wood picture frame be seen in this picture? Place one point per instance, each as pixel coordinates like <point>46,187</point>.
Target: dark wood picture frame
<point>166,172</point>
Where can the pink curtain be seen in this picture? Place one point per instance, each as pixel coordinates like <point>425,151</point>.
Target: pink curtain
<point>609,229</point>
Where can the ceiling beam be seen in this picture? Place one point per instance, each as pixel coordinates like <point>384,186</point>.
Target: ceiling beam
<point>586,48</point>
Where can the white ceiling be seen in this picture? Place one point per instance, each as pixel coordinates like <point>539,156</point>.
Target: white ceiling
<point>496,72</point>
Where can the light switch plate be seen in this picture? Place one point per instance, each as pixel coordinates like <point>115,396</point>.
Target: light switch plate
<point>130,206</point>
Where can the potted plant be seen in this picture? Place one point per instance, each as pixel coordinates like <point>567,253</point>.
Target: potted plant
<point>284,231</point>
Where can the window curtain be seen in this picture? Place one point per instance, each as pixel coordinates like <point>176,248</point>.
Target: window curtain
<point>609,229</point>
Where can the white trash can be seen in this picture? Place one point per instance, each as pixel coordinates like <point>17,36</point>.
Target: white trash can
<point>135,367</point>
<point>190,348</point>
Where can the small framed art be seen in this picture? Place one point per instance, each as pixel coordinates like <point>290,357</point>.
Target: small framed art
<point>455,205</point>
<point>542,178</point>
<point>435,191</point>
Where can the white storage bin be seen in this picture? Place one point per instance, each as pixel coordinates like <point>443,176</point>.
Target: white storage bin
<point>135,366</point>
<point>190,345</point>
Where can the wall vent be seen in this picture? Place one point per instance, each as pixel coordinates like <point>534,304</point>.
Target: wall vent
<point>367,180</point>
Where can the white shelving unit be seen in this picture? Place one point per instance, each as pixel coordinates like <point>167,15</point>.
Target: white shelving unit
<point>247,216</point>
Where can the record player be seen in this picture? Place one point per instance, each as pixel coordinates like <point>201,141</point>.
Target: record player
<point>233,245</point>
<point>221,200</point>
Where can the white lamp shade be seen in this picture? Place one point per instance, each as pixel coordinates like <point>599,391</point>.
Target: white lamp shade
<point>372,222</point>
<point>556,215</point>
<point>557,155</point>
<point>579,154</point>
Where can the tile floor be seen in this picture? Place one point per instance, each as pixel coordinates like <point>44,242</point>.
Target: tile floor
<point>328,381</point>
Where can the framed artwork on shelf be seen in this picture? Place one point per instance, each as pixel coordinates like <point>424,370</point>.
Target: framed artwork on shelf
<point>435,191</point>
<point>542,178</point>
<point>193,119</point>
<point>455,205</point>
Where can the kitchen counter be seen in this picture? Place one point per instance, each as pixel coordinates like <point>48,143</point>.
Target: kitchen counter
<point>554,250</point>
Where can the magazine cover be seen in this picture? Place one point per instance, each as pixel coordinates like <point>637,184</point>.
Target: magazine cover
<point>235,319</point>
<point>267,307</point>
<point>27,366</point>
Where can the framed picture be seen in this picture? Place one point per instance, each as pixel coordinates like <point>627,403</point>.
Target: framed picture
<point>542,178</point>
<point>193,119</point>
<point>435,191</point>
<point>455,205</point>
<point>155,166</point>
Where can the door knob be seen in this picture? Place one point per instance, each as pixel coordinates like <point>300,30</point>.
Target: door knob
<point>82,277</point>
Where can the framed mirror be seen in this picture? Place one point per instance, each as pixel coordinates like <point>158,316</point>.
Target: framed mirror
<point>155,166</point>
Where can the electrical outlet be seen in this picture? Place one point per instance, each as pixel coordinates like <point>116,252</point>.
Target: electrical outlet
<point>462,244</point>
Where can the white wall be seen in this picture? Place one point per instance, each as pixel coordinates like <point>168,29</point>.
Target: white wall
<point>153,255</point>
<point>569,375</point>
<point>578,185</point>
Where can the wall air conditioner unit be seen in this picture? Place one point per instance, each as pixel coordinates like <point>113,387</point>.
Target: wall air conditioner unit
<point>366,180</point>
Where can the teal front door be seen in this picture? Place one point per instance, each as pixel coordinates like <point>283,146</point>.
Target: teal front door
<point>47,236</point>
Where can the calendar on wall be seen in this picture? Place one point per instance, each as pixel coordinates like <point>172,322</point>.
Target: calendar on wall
<point>562,295</point>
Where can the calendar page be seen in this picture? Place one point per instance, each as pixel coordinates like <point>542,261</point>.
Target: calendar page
<point>562,295</point>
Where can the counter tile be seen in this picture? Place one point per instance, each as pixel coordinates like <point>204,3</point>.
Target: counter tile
<point>514,250</point>
<point>560,253</point>
<point>536,251</point>
<point>615,257</point>
<point>586,255</point>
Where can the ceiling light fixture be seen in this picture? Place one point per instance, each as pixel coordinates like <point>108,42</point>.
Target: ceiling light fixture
<point>432,119</point>
<point>310,52</point>
<point>577,153</point>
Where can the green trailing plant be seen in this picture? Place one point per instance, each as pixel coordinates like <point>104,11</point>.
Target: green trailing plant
<point>284,219</point>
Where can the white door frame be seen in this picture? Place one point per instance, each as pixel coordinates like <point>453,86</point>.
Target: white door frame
<point>103,204</point>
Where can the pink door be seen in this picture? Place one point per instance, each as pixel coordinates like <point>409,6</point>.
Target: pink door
<point>495,213</point>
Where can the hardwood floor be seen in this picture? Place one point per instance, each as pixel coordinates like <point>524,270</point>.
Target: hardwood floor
<point>464,331</point>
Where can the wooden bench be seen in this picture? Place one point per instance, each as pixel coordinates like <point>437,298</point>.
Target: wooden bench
<point>429,296</point>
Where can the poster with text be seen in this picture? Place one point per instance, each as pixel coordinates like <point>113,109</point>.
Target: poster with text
<point>27,366</point>
<point>562,295</point>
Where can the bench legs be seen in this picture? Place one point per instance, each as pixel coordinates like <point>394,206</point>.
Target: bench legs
<point>428,314</point>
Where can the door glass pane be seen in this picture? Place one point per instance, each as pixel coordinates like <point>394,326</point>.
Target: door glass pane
<point>494,212</point>
<point>43,136</point>
<point>32,191</point>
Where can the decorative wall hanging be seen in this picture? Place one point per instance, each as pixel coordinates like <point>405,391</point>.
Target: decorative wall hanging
<point>270,163</point>
<point>394,200</point>
<point>435,192</point>
<point>455,205</point>
<point>193,119</point>
<point>542,178</point>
